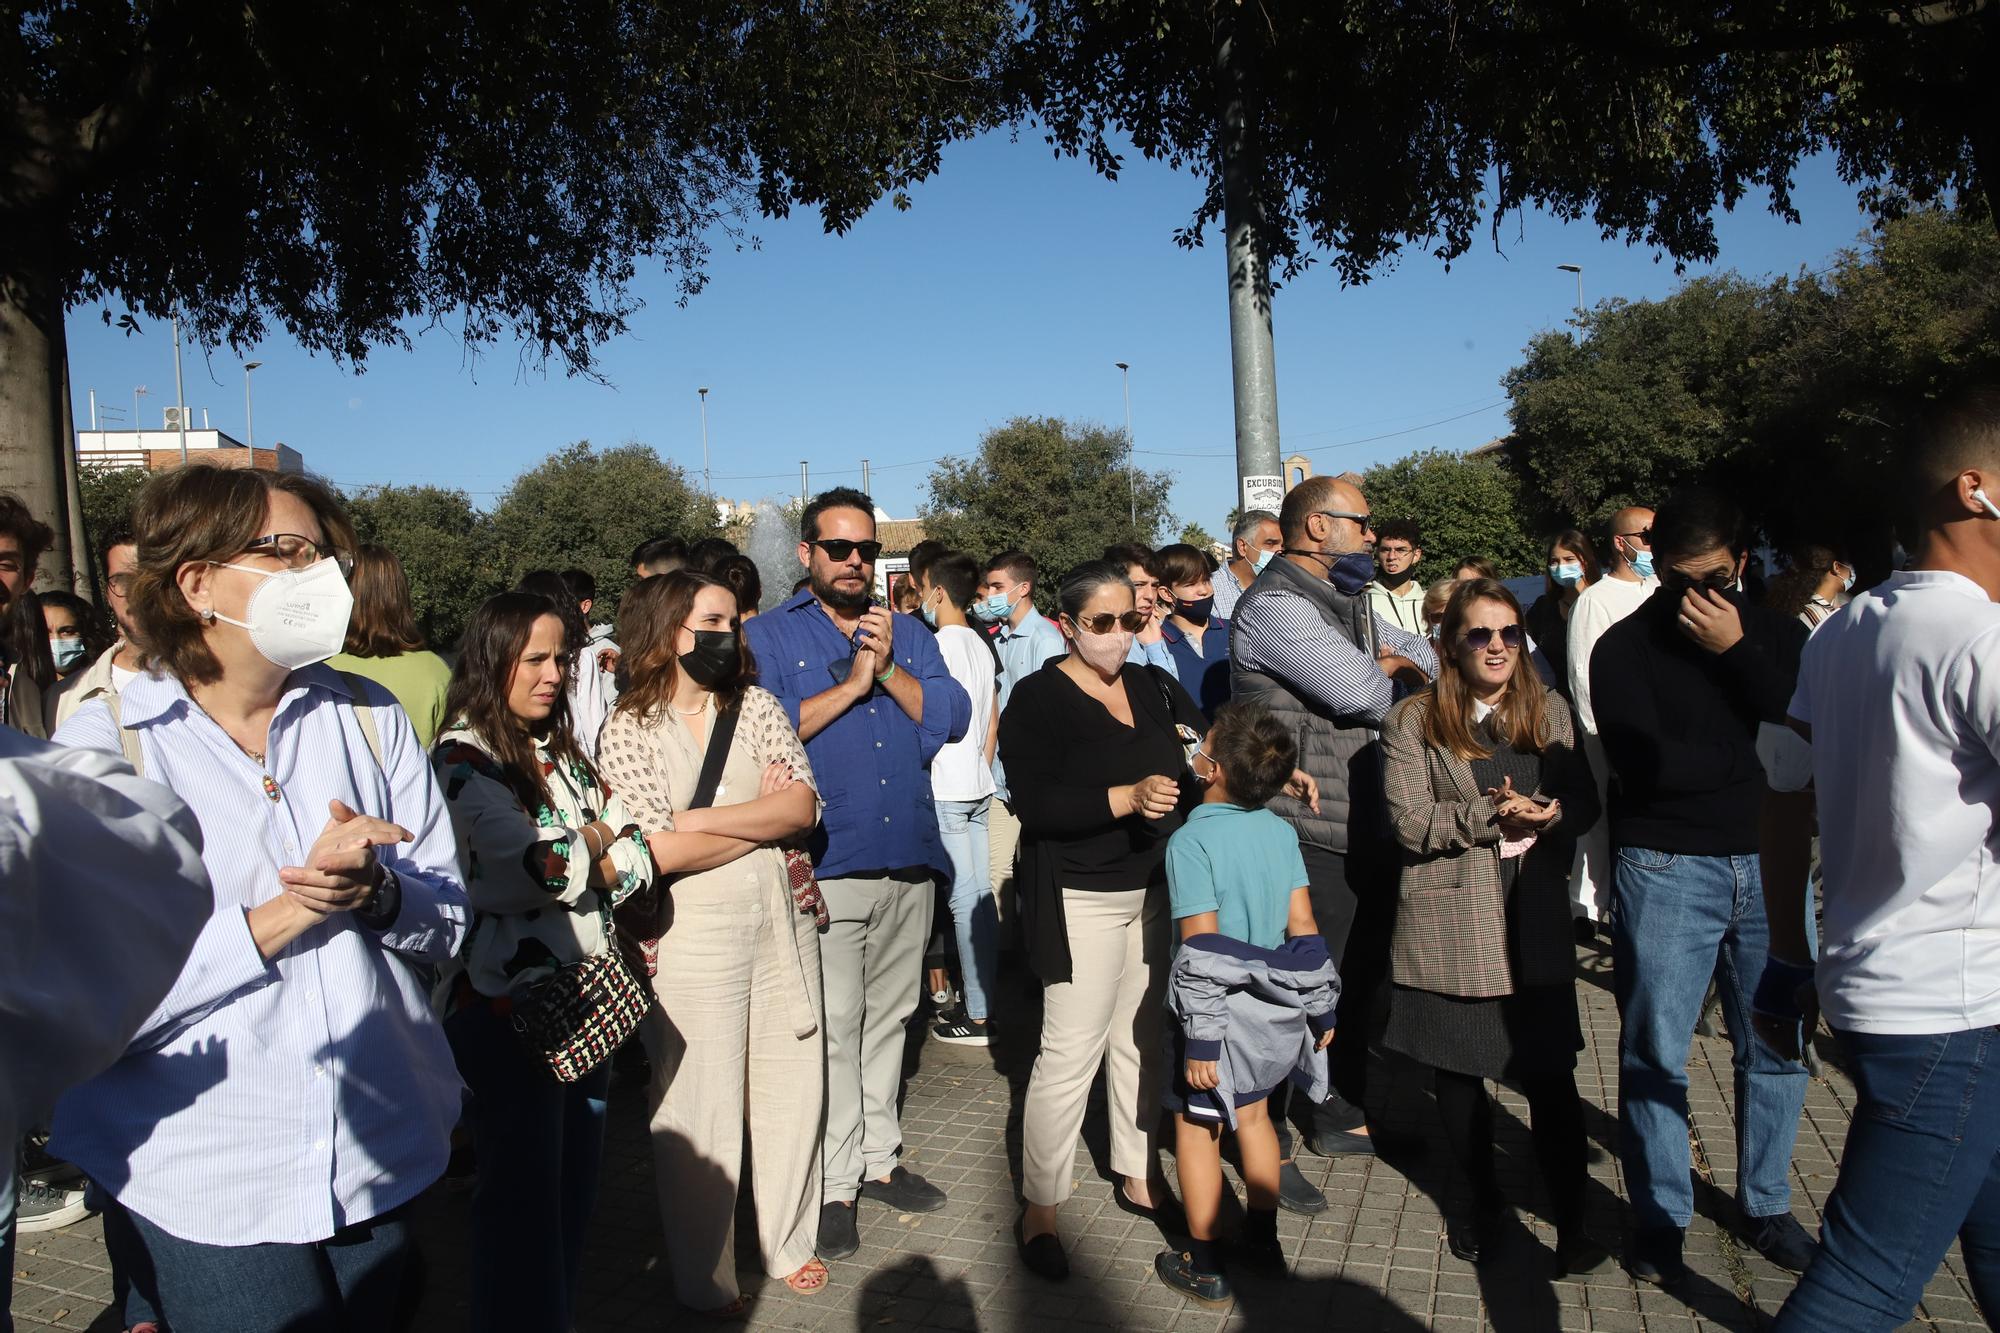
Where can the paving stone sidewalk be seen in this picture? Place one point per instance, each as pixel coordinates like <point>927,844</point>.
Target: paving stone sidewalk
<point>1374,1261</point>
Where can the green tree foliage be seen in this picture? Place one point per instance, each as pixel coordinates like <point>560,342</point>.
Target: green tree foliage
<point>1195,535</point>
<point>585,508</point>
<point>1372,127</point>
<point>1056,489</point>
<point>1464,505</point>
<point>108,496</point>
<point>1792,394</point>
<point>445,548</point>
<point>350,170</point>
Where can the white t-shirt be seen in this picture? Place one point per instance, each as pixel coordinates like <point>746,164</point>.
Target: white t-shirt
<point>1902,694</point>
<point>1598,607</point>
<point>960,771</point>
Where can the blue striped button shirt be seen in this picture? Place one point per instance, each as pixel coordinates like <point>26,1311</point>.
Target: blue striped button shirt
<point>280,1100</point>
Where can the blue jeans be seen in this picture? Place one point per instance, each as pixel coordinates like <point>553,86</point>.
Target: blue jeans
<point>8,1202</point>
<point>1922,1164</point>
<point>974,915</point>
<point>539,1144</point>
<point>132,1281</point>
<point>1679,921</point>
<point>351,1283</point>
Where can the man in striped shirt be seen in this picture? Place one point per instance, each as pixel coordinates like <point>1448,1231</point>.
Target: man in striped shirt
<point>1306,643</point>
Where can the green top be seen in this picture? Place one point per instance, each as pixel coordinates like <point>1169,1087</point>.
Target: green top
<point>1240,864</point>
<point>418,680</point>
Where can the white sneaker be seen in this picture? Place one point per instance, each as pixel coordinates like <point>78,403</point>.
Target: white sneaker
<point>44,1207</point>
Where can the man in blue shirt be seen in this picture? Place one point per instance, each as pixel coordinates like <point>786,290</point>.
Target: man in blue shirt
<point>1149,645</point>
<point>873,701</point>
<point>1026,639</point>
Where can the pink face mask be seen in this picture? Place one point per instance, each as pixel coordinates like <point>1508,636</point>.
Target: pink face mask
<point>1104,652</point>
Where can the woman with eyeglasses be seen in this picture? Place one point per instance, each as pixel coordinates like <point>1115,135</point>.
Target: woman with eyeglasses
<point>1095,750</point>
<point>548,852</point>
<point>1487,792</point>
<point>735,1038</point>
<point>294,1090</point>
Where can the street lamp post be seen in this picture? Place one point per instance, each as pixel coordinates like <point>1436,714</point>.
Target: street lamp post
<point>1131,456</point>
<point>138,391</point>
<point>1578,270</point>
<point>249,422</point>
<point>180,394</point>
<point>706,484</point>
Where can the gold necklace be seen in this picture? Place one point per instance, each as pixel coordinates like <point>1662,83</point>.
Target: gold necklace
<point>271,790</point>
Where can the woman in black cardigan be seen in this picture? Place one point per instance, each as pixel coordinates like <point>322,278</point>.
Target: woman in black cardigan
<point>1095,749</point>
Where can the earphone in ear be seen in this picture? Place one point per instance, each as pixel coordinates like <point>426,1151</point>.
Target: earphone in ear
<point>1980,496</point>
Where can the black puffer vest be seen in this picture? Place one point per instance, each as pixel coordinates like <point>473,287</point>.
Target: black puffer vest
<point>1344,754</point>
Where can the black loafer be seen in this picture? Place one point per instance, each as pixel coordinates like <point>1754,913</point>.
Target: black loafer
<point>1043,1255</point>
<point>1176,1269</point>
<point>1296,1194</point>
<point>1339,1143</point>
<point>1478,1237</point>
<point>905,1191</point>
<point>1166,1214</point>
<point>1655,1256</point>
<point>839,1238</point>
<point>1577,1253</point>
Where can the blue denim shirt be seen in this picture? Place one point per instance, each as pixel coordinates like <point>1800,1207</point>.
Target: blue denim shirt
<point>1155,655</point>
<point>1023,648</point>
<point>872,762</point>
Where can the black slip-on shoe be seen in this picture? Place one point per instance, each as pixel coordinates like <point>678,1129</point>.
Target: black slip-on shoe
<point>1043,1255</point>
<point>1296,1194</point>
<point>1782,1240</point>
<point>905,1191</point>
<point>1655,1255</point>
<point>839,1237</point>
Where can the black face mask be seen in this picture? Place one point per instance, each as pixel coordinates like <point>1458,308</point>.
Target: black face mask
<point>1195,610</point>
<point>1393,581</point>
<point>713,659</point>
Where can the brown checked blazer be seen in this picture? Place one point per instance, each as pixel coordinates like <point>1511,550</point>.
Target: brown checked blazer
<point>1451,914</point>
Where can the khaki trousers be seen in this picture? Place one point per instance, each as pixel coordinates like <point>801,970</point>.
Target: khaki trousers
<point>726,1055</point>
<point>1003,843</point>
<point>1107,1014</point>
<point>872,958</point>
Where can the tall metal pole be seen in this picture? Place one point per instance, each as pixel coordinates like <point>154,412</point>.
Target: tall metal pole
<point>864,478</point>
<point>805,485</point>
<point>93,409</point>
<point>1131,456</point>
<point>249,421</point>
<point>180,397</point>
<point>138,391</point>
<point>1578,270</point>
<point>1253,361</point>
<point>706,484</point>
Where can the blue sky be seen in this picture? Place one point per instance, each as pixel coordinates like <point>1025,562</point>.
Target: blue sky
<point>1011,288</point>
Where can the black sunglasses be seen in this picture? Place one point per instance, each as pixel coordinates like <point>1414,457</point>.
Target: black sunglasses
<point>1643,534</point>
<point>839,548</point>
<point>1719,581</point>
<point>1133,621</point>
<point>1479,636</point>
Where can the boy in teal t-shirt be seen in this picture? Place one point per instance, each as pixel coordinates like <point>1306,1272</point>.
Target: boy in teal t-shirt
<point>1233,869</point>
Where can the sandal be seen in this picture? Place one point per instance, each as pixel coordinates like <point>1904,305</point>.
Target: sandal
<point>736,1309</point>
<point>809,1279</point>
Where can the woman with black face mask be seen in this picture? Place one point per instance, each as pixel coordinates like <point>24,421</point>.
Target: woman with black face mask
<point>713,770</point>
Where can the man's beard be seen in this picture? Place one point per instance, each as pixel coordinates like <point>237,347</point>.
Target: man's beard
<point>839,599</point>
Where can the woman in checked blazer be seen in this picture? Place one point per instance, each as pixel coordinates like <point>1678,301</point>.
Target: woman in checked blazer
<point>1488,791</point>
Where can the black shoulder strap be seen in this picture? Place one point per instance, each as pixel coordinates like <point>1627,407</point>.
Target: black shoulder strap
<point>1166,694</point>
<point>712,759</point>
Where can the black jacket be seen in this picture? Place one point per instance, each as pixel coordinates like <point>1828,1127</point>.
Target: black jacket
<point>1679,725</point>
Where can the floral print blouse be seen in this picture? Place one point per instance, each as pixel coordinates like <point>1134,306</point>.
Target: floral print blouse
<point>527,873</point>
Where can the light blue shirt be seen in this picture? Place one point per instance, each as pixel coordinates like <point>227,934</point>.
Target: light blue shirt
<point>1153,654</point>
<point>280,1100</point>
<point>1024,649</point>
<point>1243,865</point>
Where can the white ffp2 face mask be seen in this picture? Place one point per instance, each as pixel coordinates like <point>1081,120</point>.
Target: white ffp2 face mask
<point>299,616</point>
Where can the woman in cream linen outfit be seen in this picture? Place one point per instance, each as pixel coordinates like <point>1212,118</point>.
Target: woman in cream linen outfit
<point>736,969</point>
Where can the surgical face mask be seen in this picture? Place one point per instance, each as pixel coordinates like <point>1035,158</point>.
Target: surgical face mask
<point>1566,573</point>
<point>1847,581</point>
<point>1104,652</point>
<point>713,659</point>
<point>1263,558</point>
<point>299,616</point>
<point>994,608</point>
<point>1642,564</point>
<point>67,652</point>
<point>929,613</point>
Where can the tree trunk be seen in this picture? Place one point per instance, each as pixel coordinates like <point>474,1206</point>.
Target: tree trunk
<point>35,453</point>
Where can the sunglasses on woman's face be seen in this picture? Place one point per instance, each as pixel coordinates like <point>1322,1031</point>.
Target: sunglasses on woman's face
<point>1131,621</point>
<point>1480,636</point>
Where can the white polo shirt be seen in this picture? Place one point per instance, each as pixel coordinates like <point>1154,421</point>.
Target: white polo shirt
<point>1902,692</point>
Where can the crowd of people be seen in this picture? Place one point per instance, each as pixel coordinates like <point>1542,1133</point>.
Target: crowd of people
<point>1271,830</point>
